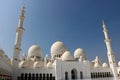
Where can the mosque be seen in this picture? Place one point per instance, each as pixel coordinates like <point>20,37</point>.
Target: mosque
<point>61,65</point>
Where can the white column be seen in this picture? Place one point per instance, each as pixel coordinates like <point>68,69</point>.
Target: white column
<point>17,46</point>
<point>110,54</point>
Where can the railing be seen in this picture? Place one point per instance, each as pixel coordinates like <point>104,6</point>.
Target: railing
<point>111,78</point>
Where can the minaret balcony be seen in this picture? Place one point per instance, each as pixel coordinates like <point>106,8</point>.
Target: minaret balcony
<point>105,30</point>
<point>20,29</point>
<point>107,40</point>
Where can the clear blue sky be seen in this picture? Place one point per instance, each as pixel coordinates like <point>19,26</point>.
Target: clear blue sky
<point>77,23</point>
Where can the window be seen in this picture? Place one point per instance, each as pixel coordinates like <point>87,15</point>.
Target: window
<point>66,75</point>
<point>73,74</point>
<point>29,76</point>
<point>40,76</point>
<point>43,76</point>
<point>91,75</point>
<point>50,76</point>
<point>33,76</point>
<point>36,76</point>
<point>81,75</point>
<point>22,76</point>
<point>25,76</point>
<point>47,76</point>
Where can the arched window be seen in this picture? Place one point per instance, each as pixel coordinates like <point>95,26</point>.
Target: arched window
<point>30,76</point>
<point>43,76</point>
<point>37,77</point>
<point>50,76</point>
<point>40,78</point>
<point>66,75</point>
<point>47,76</point>
<point>25,76</point>
<point>81,75</point>
<point>73,74</point>
<point>98,74</point>
<point>33,76</point>
<point>22,76</point>
<point>91,75</point>
<point>53,78</point>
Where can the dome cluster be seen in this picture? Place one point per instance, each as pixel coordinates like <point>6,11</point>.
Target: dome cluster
<point>96,63</point>
<point>58,51</point>
<point>34,53</point>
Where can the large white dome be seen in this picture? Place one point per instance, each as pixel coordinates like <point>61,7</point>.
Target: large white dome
<point>34,50</point>
<point>58,48</point>
<point>67,56</point>
<point>79,52</point>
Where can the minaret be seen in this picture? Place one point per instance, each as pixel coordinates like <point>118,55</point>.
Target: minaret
<point>17,46</point>
<point>110,54</point>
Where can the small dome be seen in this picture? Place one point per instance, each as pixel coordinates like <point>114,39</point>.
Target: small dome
<point>119,63</point>
<point>49,65</point>
<point>34,50</point>
<point>58,48</point>
<point>23,64</point>
<point>67,56</point>
<point>79,52</point>
<point>105,65</point>
<point>97,65</point>
<point>37,64</point>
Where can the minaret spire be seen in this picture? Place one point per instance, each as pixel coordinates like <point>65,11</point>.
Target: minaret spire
<point>21,18</point>
<point>111,57</point>
<point>17,46</point>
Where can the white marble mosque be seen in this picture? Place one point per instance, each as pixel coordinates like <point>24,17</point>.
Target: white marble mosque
<point>61,65</point>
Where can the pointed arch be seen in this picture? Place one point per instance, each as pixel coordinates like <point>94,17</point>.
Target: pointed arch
<point>73,74</point>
